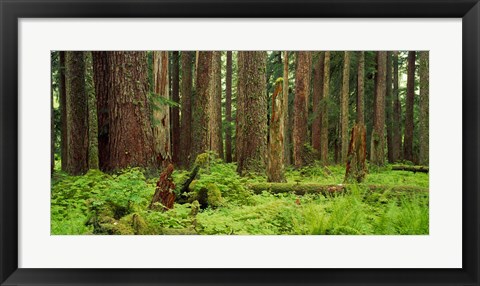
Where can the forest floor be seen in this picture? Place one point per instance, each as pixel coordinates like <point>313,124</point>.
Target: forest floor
<point>99,203</point>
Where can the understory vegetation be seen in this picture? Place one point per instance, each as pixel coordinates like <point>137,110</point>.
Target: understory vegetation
<point>115,204</point>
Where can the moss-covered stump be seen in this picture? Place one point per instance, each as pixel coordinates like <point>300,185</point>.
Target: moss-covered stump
<point>311,188</point>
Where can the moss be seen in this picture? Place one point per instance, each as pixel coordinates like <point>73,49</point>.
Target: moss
<point>214,196</point>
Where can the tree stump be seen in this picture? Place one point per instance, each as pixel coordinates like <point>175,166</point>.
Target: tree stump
<point>357,152</point>
<point>164,191</point>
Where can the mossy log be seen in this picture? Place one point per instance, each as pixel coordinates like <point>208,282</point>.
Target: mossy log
<point>313,188</point>
<point>415,169</point>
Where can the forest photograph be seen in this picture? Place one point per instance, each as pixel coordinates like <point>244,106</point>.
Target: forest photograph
<point>239,143</point>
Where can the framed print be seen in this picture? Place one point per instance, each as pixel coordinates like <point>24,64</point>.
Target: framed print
<point>223,142</point>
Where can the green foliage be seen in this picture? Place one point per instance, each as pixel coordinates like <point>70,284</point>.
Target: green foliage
<point>99,203</point>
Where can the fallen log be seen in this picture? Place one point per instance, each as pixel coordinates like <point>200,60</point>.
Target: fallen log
<point>313,188</point>
<point>415,169</point>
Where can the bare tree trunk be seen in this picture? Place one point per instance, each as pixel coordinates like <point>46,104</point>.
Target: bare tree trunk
<point>408,140</point>
<point>161,111</point>
<point>101,79</point>
<point>275,168</point>
<point>397,113</point>
<point>130,139</point>
<point>344,107</point>
<point>77,114</point>
<point>216,139</point>
<point>389,110</point>
<point>424,113</point>
<point>361,88</point>
<point>324,111</point>
<point>378,134</point>
<point>186,105</point>
<point>175,114</point>
<point>63,113</point>
<point>251,125</point>
<point>300,120</point>
<point>316,100</point>
<point>228,109</point>
<point>286,139</point>
<point>201,103</point>
<point>356,168</point>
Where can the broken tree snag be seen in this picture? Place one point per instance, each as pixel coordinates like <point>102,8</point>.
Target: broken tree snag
<point>275,167</point>
<point>312,188</point>
<point>357,153</point>
<point>415,169</point>
<point>164,193</point>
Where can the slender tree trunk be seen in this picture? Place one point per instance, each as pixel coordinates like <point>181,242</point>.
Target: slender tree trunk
<point>201,103</point>
<point>389,110</point>
<point>378,134</point>
<point>92,114</point>
<point>251,106</point>
<point>63,113</point>
<point>408,140</point>
<point>175,114</point>
<point>52,129</point>
<point>397,113</point>
<point>101,79</point>
<point>216,139</point>
<point>324,111</point>
<point>161,111</point>
<point>77,114</point>
<point>344,107</point>
<point>317,96</point>
<point>424,113</point>
<point>186,105</point>
<point>228,109</point>
<point>286,139</point>
<point>361,88</point>
<point>275,168</point>
<point>300,120</point>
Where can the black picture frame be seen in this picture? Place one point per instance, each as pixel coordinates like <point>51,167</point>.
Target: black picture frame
<point>11,11</point>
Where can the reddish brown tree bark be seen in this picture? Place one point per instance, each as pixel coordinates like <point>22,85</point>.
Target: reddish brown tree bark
<point>408,139</point>
<point>360,88</point>
<point>77,114</point>
<point>228,109</point>
<point>251,122</point>
<point>186,106</point>
<point>175,112</point>
<point>275,168</point>
<point>300,120</point>
<point>324,111</point>
<point>286,120</point>
<point>317,96</point>
<point>215,129</point>
<point>63,113</point>
<point>377,145</point>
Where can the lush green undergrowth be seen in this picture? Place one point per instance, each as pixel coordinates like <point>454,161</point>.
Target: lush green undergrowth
<point>99,203</point>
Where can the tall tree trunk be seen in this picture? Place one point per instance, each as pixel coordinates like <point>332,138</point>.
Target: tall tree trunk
<point>101,79</point>
<point>121,83</point>
<point>201,103</point>
<point>317,96</point>
<point>286,139</point>
<point>251,123</point>
<point>161,111</point>
<point>228,109</point>
<point>92,114</point>
<point>344,107</point>
<point>397,113</point>
<point>216,139</point>
<point>424,113</point>
<point>186,104</point>
<point>77,114</point>
<point>324,111</point>
<point>175,114</point>
<point>389,109</point>
<point>361,88</point>
<point>378,133</point>
<point>300,120</point>
<point>408,140</point>
<point>63,113</point>
<point>275,168</point>
<point>52,129</point>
